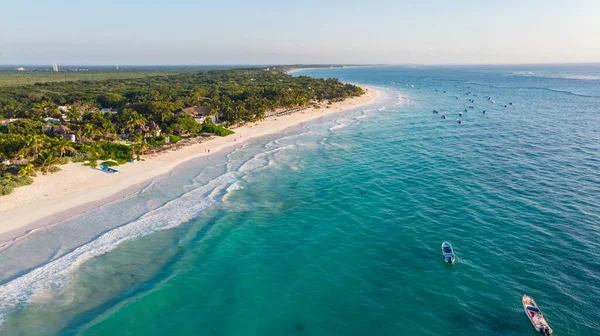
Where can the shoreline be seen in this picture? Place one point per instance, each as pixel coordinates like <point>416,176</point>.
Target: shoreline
<point>78,188</point>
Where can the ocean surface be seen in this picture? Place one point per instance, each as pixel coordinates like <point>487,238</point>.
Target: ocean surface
<point>334,227</point>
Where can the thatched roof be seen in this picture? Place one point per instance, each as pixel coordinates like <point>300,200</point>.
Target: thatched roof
<point>197,111</point>
<point>154,126</point>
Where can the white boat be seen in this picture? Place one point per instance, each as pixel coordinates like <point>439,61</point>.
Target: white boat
<point>448,252</point>
<point>535,316</point>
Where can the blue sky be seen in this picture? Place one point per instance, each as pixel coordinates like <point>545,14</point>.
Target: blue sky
<point>306,31</point>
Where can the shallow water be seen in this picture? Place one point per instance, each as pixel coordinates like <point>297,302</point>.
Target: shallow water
<point>334,227</point>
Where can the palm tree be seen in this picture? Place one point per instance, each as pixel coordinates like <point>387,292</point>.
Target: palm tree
<point>44,109</point>
<point>107,130</point>
<point>78,131</point>
<point>130,120</point>
<point>63,146</point>
<point>73,113</point>
<point>47,159</point>
<point>90,131</point>
<point>32,146</point>
<point>140,148</point>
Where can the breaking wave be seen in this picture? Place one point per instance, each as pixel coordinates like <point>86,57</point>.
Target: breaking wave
<point>57,273</point>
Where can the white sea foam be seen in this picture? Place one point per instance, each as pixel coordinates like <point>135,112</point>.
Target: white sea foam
<point>261,160</point>
<point>57,273</point>
<point>278,142</point>
<point>340,123</point>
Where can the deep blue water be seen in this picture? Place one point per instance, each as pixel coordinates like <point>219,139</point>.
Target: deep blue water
<point>335,227</point>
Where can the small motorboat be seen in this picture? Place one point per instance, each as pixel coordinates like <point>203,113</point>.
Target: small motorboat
<point>535,316</point>
<point>448,252</point>
<point>460,113</point>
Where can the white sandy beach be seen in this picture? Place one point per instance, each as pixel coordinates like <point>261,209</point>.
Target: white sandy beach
<point>78,188</point>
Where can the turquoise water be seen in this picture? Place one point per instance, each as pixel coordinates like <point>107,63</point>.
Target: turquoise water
<point>334,227</point>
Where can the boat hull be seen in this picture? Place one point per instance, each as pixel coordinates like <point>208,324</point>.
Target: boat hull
<point>448,252</point>
<point>535,316</point>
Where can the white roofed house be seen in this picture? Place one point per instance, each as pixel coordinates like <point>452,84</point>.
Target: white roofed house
<point>52,120</point>
<point>7,121</point>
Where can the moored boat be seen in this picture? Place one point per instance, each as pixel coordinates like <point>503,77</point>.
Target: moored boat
<point>108,169</point>
<point>448,252</point>
<point>535,316</point>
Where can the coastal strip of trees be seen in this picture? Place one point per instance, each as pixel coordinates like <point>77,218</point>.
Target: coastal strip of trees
<point>117,120</point>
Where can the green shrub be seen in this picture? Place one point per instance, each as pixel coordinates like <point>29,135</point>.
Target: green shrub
<point>174,138</point>
<point>216,129</point>
<point>21,181</point>
<point>110,163</point>
<point>63,160</point>
<point>5,190</point>
<point>105,151</point>
<point>92,163</point>
<point>156,141</point>
<point>26,170</point>
<point>80,157</point>
<point>54,169</point>
<point>7,185</point>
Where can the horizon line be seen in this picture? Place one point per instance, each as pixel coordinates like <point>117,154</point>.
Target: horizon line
<point>299,64</point>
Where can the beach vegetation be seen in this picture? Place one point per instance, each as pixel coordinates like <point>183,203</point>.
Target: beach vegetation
<point>8,183</point>
<point>27,170</point>
<point>174,138</point>
<point>116,118</point>
<point>110,163</point>
<point>91,163</point>
<point>219,130</point>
